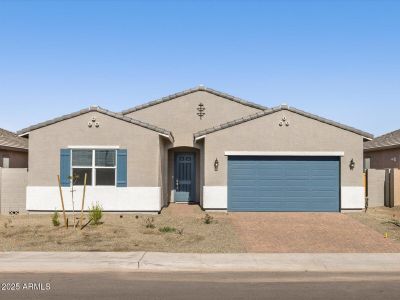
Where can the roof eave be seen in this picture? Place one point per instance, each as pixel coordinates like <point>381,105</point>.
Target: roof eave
<point>381,148</point>
<point>364,134</point>
<point>17,149</point>
<point>118,116</point>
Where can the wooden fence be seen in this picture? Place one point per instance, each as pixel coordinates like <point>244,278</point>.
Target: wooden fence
<point>382,187</point>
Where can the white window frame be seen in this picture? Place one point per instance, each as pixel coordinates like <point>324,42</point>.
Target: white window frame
<point>93,167</point>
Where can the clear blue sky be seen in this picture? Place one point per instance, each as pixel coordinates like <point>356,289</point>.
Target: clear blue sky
<point>340,60</point>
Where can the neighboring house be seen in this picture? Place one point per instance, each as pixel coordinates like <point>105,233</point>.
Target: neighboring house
<point>383,151</point>
<point>197,146</point>
<point>13,150</point>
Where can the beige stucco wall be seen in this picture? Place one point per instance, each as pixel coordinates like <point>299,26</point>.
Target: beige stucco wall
<point>388,158</point>
<point>376,187</point>
<point>18,159</point>
<point>265,134</point>
<point>179,115</point>
<point>163,173</point>
<point>142,145</point>
<point>13,182</point>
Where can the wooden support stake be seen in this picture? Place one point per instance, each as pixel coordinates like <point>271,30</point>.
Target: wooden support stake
<point>62,201</point>
<point>83,199</point>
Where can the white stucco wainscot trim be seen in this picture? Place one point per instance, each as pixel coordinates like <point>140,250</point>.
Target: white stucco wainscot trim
<point>352,197</point>
<point>47,198</point>
<point>284,153</point>
<point>215,197</point>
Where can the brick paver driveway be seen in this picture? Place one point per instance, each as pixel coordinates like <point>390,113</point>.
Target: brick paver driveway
<point>308,232</point>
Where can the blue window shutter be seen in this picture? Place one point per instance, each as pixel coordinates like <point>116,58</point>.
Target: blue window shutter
<point>121,168</point>
<point>65,166</point>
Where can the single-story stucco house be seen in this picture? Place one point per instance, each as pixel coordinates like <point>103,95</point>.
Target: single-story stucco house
<point>383,152</point>
<point>197,146</point>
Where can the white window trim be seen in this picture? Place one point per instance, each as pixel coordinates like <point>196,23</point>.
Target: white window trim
<point>93,147</point>
<point>284,153</point>
<point>93,167</point>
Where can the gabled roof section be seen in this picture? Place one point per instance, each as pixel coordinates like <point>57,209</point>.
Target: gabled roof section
<point>274,110</point>
<point>386,141</point>
<point>9,139</point>
<point>193,90</point>
<point>103,111</point>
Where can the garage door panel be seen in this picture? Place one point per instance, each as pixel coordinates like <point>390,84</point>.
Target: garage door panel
<point>283,183</point>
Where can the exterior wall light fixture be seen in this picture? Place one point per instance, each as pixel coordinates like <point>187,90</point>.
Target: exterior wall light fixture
<point>352,164</point>
<point>216,164</point>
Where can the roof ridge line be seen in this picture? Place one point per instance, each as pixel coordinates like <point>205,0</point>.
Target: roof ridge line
<point>189,91</point>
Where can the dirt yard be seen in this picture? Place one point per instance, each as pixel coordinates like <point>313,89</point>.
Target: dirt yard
<point>381,219</point>
<point>181,228</point>
<point>187,233</point>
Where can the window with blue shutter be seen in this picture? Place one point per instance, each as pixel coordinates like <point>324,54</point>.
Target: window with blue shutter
<point>65,166</point>
<point>121,168</point>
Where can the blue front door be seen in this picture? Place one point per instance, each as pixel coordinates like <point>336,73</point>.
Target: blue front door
<point>184,177</point>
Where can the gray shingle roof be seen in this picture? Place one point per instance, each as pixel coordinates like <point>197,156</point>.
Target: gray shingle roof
<point>388,140</point>
<point>100,110</point>
<point>276,109</point>
<point>11,140</point>
<point>193,90</point>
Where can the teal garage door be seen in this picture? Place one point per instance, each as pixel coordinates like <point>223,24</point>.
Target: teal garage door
<point>276,183</point>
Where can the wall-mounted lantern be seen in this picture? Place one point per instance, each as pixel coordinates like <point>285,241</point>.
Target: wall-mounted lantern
<point>352,164</point>
<point>216,164</point>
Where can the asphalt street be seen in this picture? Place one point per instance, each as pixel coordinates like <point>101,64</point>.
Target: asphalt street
<point>200,285</point>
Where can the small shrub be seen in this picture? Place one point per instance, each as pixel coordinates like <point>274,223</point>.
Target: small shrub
<point>55,219</point>
<point>167,229</point>
<point>208,219</point>
<point>179,231</point>
<point>96,213</point>
<point>149,222</point>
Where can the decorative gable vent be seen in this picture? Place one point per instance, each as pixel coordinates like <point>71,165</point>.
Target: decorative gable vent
<point>201,110</point>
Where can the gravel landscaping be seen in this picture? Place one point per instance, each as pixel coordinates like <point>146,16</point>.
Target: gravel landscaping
<point>174,231</point>
<point>383,220</point>
<point>186,228</point>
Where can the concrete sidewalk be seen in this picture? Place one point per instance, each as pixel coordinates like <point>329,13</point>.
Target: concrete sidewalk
<point>43,262</point>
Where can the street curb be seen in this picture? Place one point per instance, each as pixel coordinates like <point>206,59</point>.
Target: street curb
<point>59,262</point>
